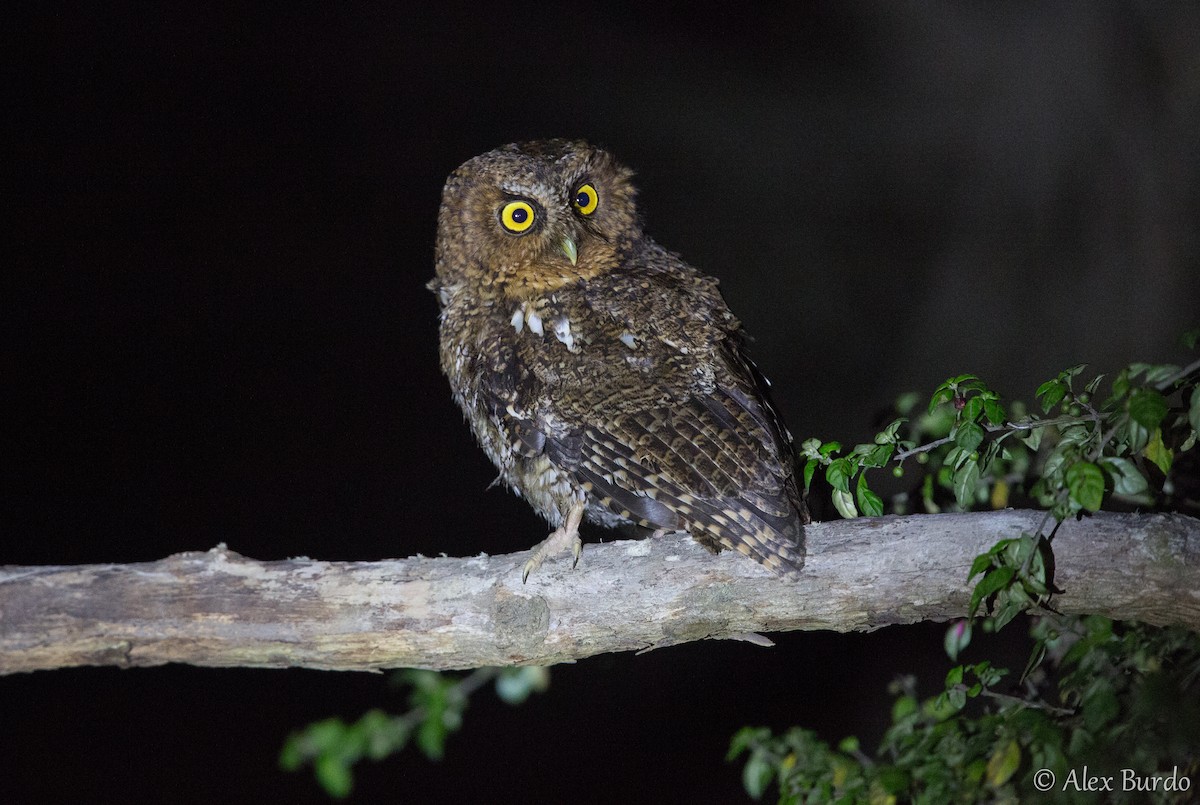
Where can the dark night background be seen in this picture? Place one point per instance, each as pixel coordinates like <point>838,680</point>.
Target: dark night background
<point>216,328</point>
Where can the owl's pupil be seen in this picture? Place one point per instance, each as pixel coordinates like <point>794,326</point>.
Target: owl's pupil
<point>519,215</point>
<point>582,200</point>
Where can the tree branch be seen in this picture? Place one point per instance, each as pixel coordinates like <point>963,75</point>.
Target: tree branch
<point>221,609</point>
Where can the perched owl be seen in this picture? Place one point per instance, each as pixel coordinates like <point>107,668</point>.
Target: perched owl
<point>603,375</point>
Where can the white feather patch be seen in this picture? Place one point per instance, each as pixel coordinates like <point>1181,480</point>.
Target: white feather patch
<point>534,321</point>
<point>562,331</point>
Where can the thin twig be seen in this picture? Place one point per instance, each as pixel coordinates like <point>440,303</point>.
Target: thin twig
<point>1163,385</point>
<point>1006,427</point>
<point>1017,700</point>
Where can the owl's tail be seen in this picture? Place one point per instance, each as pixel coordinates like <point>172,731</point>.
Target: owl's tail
<point>774,539</point>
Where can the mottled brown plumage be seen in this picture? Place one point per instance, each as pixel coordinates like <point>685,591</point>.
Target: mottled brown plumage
<point>603,375</point>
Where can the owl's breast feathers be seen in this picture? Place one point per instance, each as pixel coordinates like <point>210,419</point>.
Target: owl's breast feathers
<point>630,388</point>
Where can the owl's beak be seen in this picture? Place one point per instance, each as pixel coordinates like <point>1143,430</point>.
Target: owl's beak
<point>569,249</point>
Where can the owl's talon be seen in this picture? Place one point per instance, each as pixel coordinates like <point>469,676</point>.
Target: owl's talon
<point>560,538</point>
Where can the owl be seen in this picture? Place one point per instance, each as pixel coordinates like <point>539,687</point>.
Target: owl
<point>603,376</point>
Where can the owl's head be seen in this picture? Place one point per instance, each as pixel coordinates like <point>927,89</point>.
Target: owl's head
<point>531,217</point>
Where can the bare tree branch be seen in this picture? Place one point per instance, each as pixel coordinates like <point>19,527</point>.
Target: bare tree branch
<point>221,609</point>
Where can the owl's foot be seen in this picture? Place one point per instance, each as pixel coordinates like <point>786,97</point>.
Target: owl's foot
<point>561,538</point>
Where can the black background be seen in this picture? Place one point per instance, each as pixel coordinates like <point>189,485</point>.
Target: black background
<point>216,329</point>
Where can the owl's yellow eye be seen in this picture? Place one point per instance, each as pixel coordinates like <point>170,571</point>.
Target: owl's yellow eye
<point>586,199</point>
<point>517,216</point>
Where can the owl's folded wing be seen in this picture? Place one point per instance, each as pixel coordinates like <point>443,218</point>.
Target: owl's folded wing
<point>717,465</point>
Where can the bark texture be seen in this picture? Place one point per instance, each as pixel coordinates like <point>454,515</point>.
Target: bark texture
<point>218,608</point>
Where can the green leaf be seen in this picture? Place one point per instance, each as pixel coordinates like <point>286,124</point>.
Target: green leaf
<point>1086,484</point>
<point>334,775</point>
<point>966,482</point>
<point>830,447</point>
<point>387,734</point>
<point>746,738</point>
<point>810,467</point>
<point>757,775</point>
<point>903,707</point>
<point>906,402</point>
<point>838,474</point>
<point>937,707</point>
<point>1051,393</point>
<point>989,454</point>
<point>975,770</point>
<point>1120,385</point>
<point>955,457</point>
<point>954,676</point>
<point>987,674</point>
<point>1100,705</point>
<point>1075,434</point>
<point>1133,435</point>
<point>291,756</point>
<point>1127,479</point>
<point>1157,373</point>
<point>1147,407</point>
<point>515,685</point>
<point>879,455</point>
<point>888,434</point>
<point>893,780</point>
<point>1014,603</point>
<point>981,563</point>
<point>994,412</point>
<point>1160,454</point>
<point>1017,550</point>
<point>849,745</point>
<point>1033,438</point>
<point>990,584</point>
<point>968,436</point>
<point>1035,659</point>
<point>844,503</point>
<point>869,503</point>
<point>944,394</point>
<point>972,409</point>
<point>1003,763</point>
<point>431,736</point>
<point>930,505</point>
